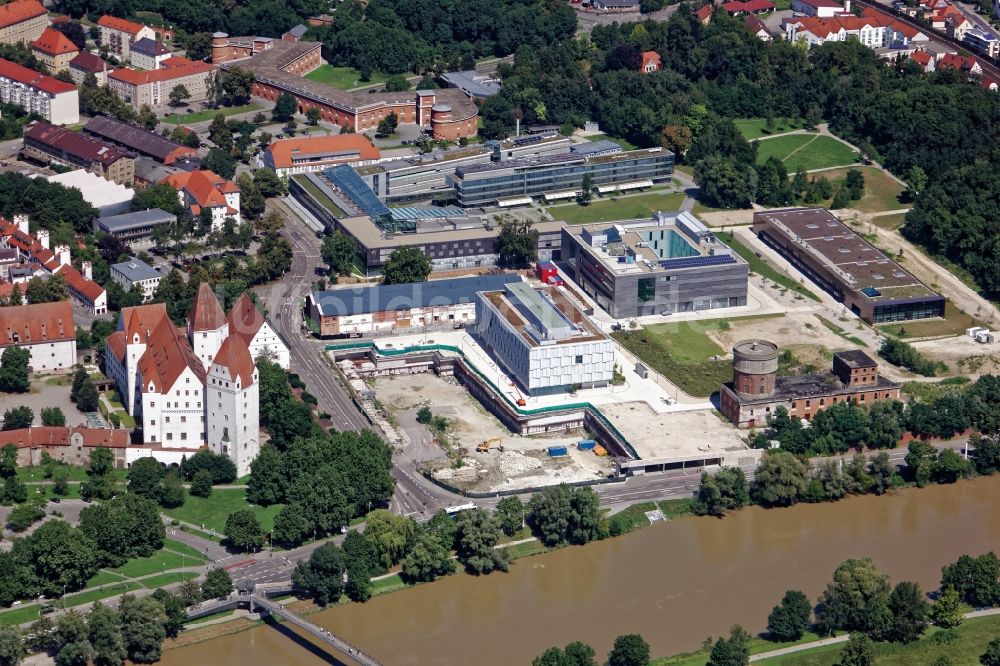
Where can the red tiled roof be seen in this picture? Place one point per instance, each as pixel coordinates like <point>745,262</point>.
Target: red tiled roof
<point>142,320</point>
<point>756,24</point>
<point>955,61</point>
<point>84,147</point>
<point>87,289</point>
<point>36,323</point>
<point>749,6</point>
<point>647,57</point>
<point>61,436</point>
<point>30,77</point>
<point>7,288</point>
<point>235,357</point>
<point>704,12</point>
<point>27,244</point>
<point>922,58</point>
<point>20,10</point>
<point>88,62</point>
<point>822,3</point>
<point>171,68</point>
<point>821,27</point>
<point>245,319</point>
<point>115,23</point>
<point>166,357</point>
<point>206,313</point>
<point>54,43</point>
<point>115,344</point>
<point>205,187</point>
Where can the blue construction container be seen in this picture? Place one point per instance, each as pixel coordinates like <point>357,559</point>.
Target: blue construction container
<point>586,444</point>
<point>556,451</point>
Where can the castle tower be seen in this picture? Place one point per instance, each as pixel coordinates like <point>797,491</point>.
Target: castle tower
<point>232,416</point>
<point>207,327</point>
<point>220,42</point>
<point>755,367</point>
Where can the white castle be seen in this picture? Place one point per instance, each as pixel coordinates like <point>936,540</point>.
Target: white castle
<point>199,386</point>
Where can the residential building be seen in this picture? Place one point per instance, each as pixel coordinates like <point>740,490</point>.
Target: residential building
<point>246,321</point>
<point>187,388</point>
<point>153,88</point>
<point>149,172</point>
<point>821,8</point>
<point>56,101</point>
<point>295,34</point>
<point>44,329</point>
<point>748,7</point>
<point>148,53</point>
<point>88,63</point>
<point>400,308</point>
<point>477,86</point>
<point>279,67</point>
<point>982,41</point>
<point>650,62</point>
<point>301,155</point>
<point>109,198</point>
<point>118,35</point>
<point>518,181</point>
<point>49,143</point>
<point>757,390</point>
<point>83,289</point>
<point>672,263</point>
<point>22,21</point>
<point>54,50</point>
<point>874,29</point>
<point>138,140</point>
<point>70,445</point>
<point>851,269</point>
<point>136,228</point>
<point>924,59</point>
<point>966,64</point>
<point>137,274</point>
<point>205,190</point>
<point>542,340</point>
<point>758,28</point>
<point>704,13</point>
<point>616,6</point>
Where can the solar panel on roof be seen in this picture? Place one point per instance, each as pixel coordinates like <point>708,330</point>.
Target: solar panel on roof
<point>697,262</point>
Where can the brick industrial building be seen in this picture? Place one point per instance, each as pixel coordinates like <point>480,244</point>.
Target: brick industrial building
<point>48,143</point>
<point>138,140</point>
<point>279,67</point>
<point>757,389</point>
<point>872,285</point>
<point>68,445</point>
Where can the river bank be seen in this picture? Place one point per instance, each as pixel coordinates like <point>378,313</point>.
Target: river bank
<point>676,582</point>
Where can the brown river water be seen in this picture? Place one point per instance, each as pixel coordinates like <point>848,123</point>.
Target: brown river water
<point>675,583</point>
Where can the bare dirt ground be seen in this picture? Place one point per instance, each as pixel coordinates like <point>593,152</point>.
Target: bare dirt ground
<point>523,463</point>
<point>672,434</point>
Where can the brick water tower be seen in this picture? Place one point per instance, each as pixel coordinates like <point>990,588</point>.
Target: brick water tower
<point>755,367</point>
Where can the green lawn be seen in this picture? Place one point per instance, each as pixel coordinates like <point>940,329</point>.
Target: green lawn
<point>672,509</point>
<point>213,616</point>
<point>73,472</point>
<point>208,114</point>
<point>680,352</point>
<point>962,646</point>
<point>762,268</point>
<point>318,194</point>
<point>890,222</point>
<point>617,208</point>
<point>757,645</point>
<point>344,78</point>
<point>386,585</point>
<point>526,549</point>
<point>182,548</point>
<point>94,595</point>
<point>624,143</point>
<point>20,615</point>
<point>807,151</point>
<point>839,330</point>
<point>881,193</point>
<point>213,511</point>
<point>755,128</point>
<point>955,322</point>
<point>162,560</point>
<point>168,579</point>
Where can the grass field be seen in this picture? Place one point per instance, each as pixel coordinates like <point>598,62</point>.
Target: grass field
<point>881,192</point>
<point>757,644</point>
<point>213,511</point>
<point>954,323</point>
<point>617,208</point>
<point>162,560</point>
<point>755,128</point>
<point>168,579</point>
<point>182,548</point>
<point>344,78</point>
<point>961,645</point>
<point>20,615</point>
<point>208,114</point>
<point>762,268</point>
<point>807,151</point>
<point>890,222</point>
<point>94,595</point>
<point>323,199</point>
<point>386,585</point>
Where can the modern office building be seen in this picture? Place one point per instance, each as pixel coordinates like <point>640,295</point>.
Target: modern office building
<point>757,390</point>
<point>517,182</point>
<point>56,101</point>
<point>136,228</point>
<point>398,308</point>
<point>49,143</point>
<point>851,269</point>
<point>671,263</point>
<point>542,340</point>
<point>137,273</point>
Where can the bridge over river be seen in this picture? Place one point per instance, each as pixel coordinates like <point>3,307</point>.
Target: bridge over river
<point>258,600</point>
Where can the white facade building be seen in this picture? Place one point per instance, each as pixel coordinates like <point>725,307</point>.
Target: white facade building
<point>246,321</point>
<point>56,101</point>
<point>233,403</point>
<point>136,273</point>
<point>44,329</point>
<point>546,344</point>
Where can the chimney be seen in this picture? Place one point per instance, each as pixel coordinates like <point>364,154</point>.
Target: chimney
<point>21,222</point>
<point>847,6</point>
<point>88,270</point>
<point>62,254</point>
<point>43,238</point>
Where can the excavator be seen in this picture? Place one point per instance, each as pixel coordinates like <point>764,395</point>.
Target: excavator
<point>494,443</point>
